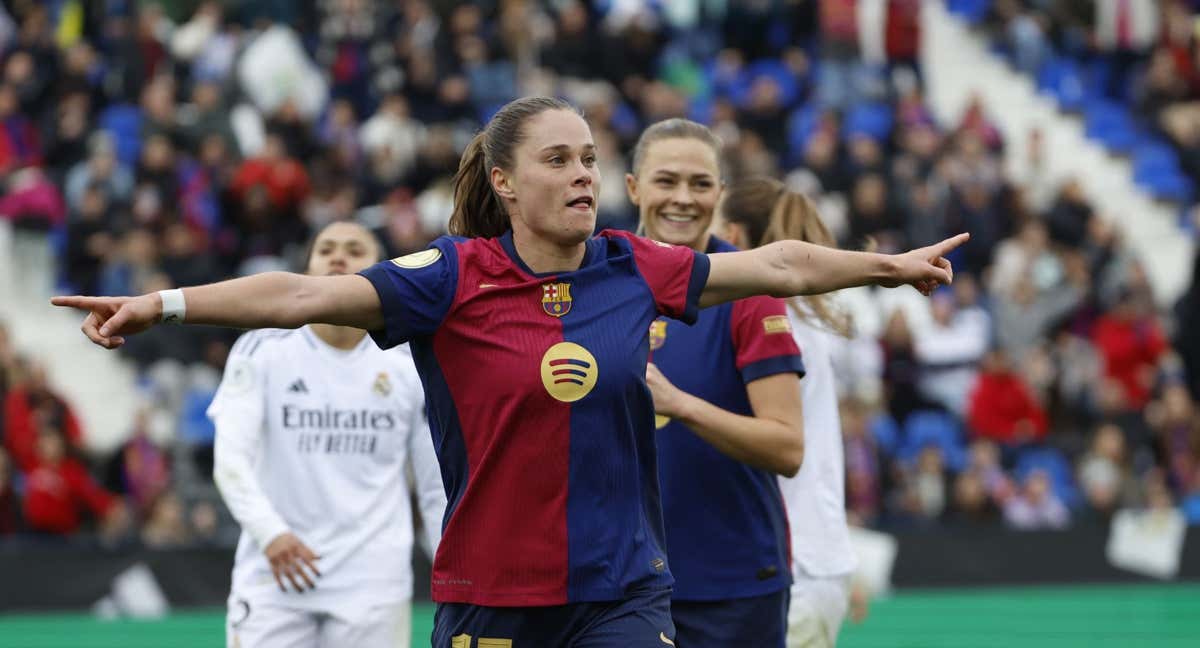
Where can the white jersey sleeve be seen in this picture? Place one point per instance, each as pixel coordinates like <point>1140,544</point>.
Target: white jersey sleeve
<point>238,412</point>
<point>426,480</point>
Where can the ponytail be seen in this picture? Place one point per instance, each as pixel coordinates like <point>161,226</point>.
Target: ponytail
<point>770,213</point>
<point>478,211</point>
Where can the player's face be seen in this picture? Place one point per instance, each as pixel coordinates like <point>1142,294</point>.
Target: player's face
<point>342,248</point>
<point>677,190</point>
<point>553,188</point>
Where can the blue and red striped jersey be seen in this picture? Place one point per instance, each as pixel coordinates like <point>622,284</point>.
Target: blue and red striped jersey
<point>727,532</point>
<point>541,418</point>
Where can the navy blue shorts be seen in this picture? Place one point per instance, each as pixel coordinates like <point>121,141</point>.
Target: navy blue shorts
<point>641,621</point>
<point>759,621</point>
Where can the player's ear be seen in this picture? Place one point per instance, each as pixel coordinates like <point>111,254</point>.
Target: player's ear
<point>631,188</point>
<point>502,184</point>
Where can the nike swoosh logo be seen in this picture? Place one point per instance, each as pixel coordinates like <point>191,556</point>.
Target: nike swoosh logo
<point>663,637</point>
<point>488,285</point>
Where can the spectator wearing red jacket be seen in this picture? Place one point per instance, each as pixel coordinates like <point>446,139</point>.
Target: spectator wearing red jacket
<point>29,395</point>
<point>284,179</point>
<point>59,491</point>
<point>1001,407</point>
<point>1131,343</point>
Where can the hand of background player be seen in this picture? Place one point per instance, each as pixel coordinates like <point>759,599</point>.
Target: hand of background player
<point>111,318</point>
<point>926,268</point>
<point>666,395</point>
<point>288,557</point>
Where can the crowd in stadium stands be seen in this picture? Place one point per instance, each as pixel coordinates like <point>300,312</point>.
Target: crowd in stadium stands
<point>170,143</point>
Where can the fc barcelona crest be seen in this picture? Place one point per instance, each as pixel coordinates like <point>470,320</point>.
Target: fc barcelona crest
<point>556,299</point>
<point>658,334</point>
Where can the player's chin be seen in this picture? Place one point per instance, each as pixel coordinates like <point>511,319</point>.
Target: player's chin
<point>578,226</point>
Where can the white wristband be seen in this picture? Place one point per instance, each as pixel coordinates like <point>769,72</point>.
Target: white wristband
<point>173,306</point>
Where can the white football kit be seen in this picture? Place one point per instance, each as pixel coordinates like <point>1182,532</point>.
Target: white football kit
<point>822,557</point>
<point>326,444</point>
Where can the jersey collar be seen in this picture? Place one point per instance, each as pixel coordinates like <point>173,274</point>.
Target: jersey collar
<point>506,242</point>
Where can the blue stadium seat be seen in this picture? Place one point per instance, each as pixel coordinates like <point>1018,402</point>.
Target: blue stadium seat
<point>195,429</point>
<point>1190,507</point>
<point>871,119</point>
<point>124,123</point>
<point>802,124</point>
<point>1060,78</point>
<point>940,429</point>
<point>886,433</point>
<point>1056,466</point>
<point>1110,124</point>
<point>972,11</point>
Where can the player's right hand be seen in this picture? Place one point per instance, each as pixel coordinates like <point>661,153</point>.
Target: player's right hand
<point>288,557</point>
<point>110,319</point>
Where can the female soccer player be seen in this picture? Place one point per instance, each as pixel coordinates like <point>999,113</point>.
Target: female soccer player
<point>530,338</point>
<point>727,391</point>
<point>318,431</point>
<point>755,213</point>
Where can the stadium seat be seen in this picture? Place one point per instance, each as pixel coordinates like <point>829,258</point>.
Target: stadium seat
<point>1061,79</point>
<point>802,123</point>
<point>871,119</point>
<point>1056,466</point>
<point>886,433</point>
<point>1110,124</point>
<point>972,11</point>
<point>1190,507</point>
<point>124,123</point>
<point>929,427</point>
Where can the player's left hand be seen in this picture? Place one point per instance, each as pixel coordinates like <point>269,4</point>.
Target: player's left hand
<point>666,395</point>
<point>926,268</point>
<point>110,319</point>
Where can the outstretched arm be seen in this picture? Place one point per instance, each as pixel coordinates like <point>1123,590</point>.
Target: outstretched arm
<point>792,268</point>
<point>267,300</point>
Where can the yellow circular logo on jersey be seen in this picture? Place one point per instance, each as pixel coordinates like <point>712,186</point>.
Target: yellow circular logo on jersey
<point>569,371</point>
<point>418,259</point>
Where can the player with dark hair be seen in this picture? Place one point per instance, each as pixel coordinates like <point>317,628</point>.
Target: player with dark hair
<point>321,441</point>
<point>530,337</point>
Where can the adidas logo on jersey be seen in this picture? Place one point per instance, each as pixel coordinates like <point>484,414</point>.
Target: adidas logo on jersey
<point>298,387</point>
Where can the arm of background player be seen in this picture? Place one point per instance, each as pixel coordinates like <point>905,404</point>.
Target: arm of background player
<point>791,268</point>
<point>238,413</point>
<point>772,439</point>
<point>267,300</point>
<point>427,481</point>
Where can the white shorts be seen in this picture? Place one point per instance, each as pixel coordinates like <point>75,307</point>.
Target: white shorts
<point>816,612</point>
<point>381,626</point>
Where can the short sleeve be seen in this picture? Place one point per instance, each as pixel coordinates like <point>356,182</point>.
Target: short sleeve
<point>676,275</point>
<point>762,339</point>
<point>415,292</point>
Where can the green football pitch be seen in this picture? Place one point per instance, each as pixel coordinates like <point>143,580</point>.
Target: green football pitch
<point>1163,616</point>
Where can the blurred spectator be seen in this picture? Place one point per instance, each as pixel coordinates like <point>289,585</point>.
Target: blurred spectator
<point>1125,31</point>
<point>926,486</point>
<point>901,372</point>
<point>1036,506</point>
<point>29,404</point>
<point>1001,406</point>
<point>950,348</point>
<point>100,169</point>
<point>1131,343</point>
<point>972,504</point>
<point>59,490</point>
<point>9,504</point>
<point>140,469</point>
<point>90,242</point>
<point>166,525</point>
<point>863,465</point>
<point>1104,474</point>
<point>20,144</point>
<point>392,139</point>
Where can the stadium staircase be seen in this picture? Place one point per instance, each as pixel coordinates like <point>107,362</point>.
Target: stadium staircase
<point>97,383</point>
<point>959,65</point>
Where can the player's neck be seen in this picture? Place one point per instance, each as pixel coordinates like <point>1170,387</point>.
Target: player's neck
<point>542,256</point>
<point>338,337</point>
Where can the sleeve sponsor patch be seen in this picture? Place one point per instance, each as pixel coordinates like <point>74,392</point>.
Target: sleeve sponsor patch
<point>418,259</point>
<point>777,324</point>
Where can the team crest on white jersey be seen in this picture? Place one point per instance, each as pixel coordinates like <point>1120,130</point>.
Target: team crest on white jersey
<point>382,385</point>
